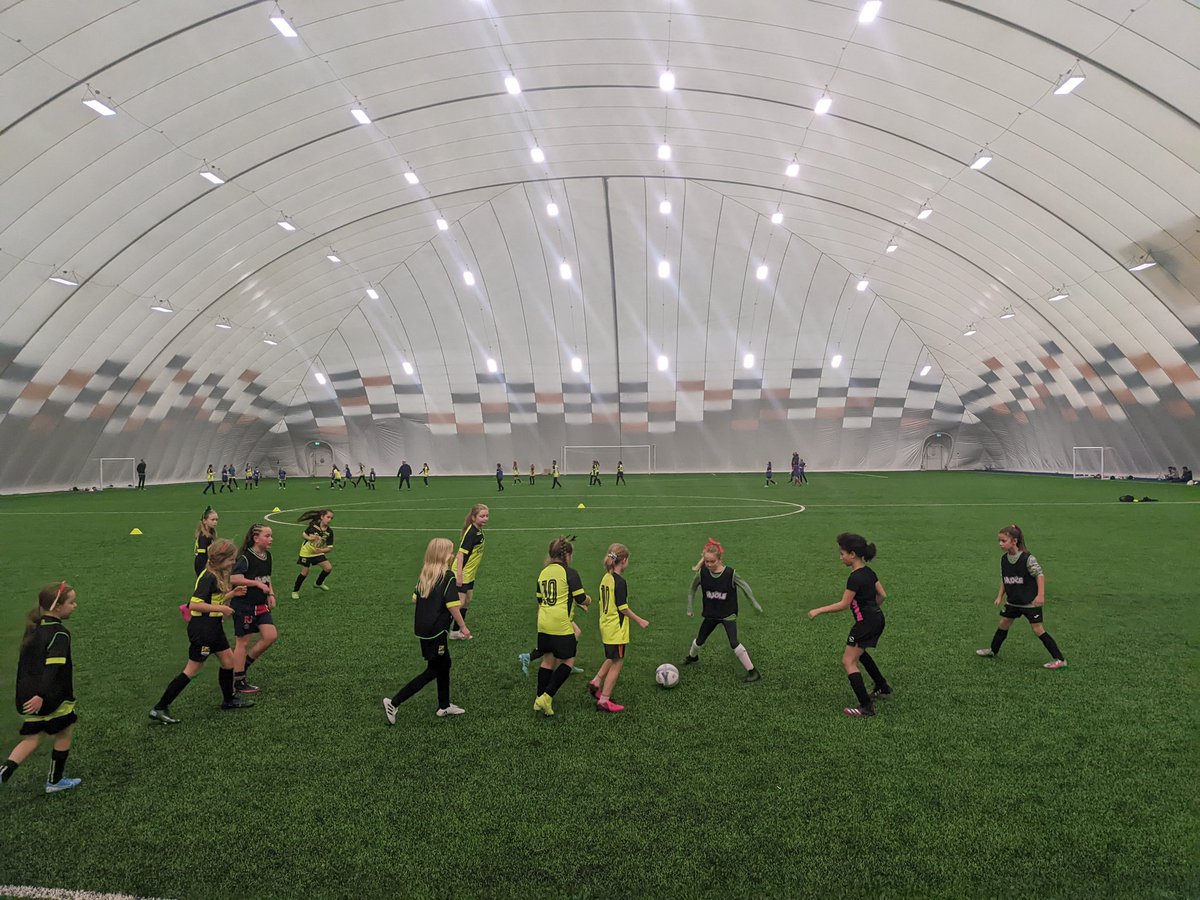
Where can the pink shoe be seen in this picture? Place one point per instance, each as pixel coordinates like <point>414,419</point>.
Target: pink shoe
<point>185,610</point>
<point>1055,664</point>
<point>609,706</point>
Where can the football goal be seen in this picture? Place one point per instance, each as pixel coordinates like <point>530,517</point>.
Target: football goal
<point>1087,462</point>
<point>638,458</point>
<point>118,471</point>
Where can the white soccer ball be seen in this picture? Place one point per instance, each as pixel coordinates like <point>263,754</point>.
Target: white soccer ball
<point>667,675</point>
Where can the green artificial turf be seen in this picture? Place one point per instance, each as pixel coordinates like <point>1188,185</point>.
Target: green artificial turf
<point>979,777</point>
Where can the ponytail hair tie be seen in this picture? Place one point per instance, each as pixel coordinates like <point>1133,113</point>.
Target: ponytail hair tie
<point>612,556</point>
<point>57,595</point>
<point>713,542</point>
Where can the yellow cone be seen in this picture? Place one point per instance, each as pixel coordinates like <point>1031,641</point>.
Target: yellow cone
<point>581,506</point>
<point>277,509</point>
<point>136,531</point>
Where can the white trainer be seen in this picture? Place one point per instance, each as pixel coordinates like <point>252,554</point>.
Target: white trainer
<point>389,710</point>
<point>986,651</point>
<point>451,710</point>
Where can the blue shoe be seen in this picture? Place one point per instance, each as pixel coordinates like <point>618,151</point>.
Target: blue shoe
<point>523,659</point>
<point>63,784</point>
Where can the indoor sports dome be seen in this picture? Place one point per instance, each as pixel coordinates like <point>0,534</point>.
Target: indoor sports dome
<point>922,233</point>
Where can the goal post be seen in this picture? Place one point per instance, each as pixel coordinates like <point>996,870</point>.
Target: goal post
<point>638,458</point>
<point>116,471</point>
<point>1087,462</point>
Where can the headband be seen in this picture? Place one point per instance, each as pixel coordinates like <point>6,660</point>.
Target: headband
<point>57,595</point>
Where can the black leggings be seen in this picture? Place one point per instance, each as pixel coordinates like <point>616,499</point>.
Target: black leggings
<point>708,626</point>
<point>436,668</point>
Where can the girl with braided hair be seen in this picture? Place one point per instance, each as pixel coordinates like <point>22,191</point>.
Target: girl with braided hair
<point>720,586</point>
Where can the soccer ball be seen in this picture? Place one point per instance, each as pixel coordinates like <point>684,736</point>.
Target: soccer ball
<point>667,675</point>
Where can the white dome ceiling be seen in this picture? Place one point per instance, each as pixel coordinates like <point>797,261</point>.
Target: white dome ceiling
<point>1080,187</point>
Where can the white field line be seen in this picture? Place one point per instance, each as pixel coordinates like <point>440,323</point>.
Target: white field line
<point>12,890</point>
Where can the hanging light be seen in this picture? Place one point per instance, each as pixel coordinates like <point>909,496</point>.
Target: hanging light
<point>666,81</point>
<point>162,306</point>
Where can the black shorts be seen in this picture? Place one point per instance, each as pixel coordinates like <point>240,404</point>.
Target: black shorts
<point>246,619</point>
<point>466,586</point>
<point>1032,613</point>
<point>560,646</point>
<point>309,561</point>
<point>49,726</point>
<point>865,634</point>
<point>614,651</point>
<point>206,636</point>
<point>435,648</point>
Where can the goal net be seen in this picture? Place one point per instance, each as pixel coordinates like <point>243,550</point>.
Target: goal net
<point>1087,462</point>
<point>118,471</point>
<point>638,458</point>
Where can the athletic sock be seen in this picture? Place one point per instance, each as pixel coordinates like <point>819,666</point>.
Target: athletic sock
<point>868,663</point>
<point>998,639</point>
<point>7,770</point>
<point>174,689</point>
<point>239,677</point>
<point>250,660</point>
<point>299,581</point>
<point>225,677</point>
<point>561,674</point>
<point>1048,643</point>
<point>695,651</point>
<point>58,762</point>
<point>603,698</point>
<point>595,682</point>
<point>321,578</point>
<point>743,656</point>
<point>860,690</point>
<point>543,677</point>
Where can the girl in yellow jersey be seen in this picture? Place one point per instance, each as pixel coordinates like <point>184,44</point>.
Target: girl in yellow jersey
<point>206,533</point>
<point>318,541</point>
<point>467,560</point>
<point>614,627</point>
<point>559,592</point>
<point>206,631</point>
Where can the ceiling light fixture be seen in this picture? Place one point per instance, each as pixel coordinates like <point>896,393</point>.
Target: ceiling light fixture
<point>576,364</point>
<point>70,279</point>
<point>285,224</point>
<point>836,362</point>
<point>748,361</point>
<point>970,330</point>
<point>512,85</point>
<point>823,105</point>
<point>761,272</point>
<point>663,362</point>
<point>666,81</point>
<point>442,224</point>
<point>1007,313</point>
<point>862,285</point>
<point>269,340</point>
<point>411,177</point>
<point>320,378</point>
<point>211,175</point>
<point>224,323</point>
<point>980,161</point>
<point>552,209</point>
<point>360,116</point>
<point>664,207</point>
<point>537,155</point>
<point>1145,261</point>
<point>792,170</point>
<point>1060,294</point>
<point>1068,83</point>
<point>372,293</point>
<point>332,256</point>
<point>892,247</point>
<point>162,306</point>
<point>925,213</point>
<point>407,366</point>
<point>664,269</point>
<point>925,370</point>
<point>776,218</point>
<point>664,151</point>
<point>869,11</point>
<point>284,26</point>
<point>491,366</point>
<point>469,277</point>
<point>564,270</point>
<point>93,102</point>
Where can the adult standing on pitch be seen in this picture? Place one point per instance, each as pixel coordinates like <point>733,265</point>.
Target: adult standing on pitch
<point>863,596</point>
<point>405,475</point>
<point>468,558</point>
<point>437,604</point>
<point>1023,592</point>
<point>559,592</point>
<point>720,585</point>
<point>45,686</point>
<point>318,542</point>
<point>141,474</point>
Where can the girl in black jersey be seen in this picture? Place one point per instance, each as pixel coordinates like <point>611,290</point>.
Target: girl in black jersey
<point>45,686</point>
<point>863,597</point>
<point>437,604</point>
<point>318,543</point>
<point>206,533</point>
<point>720,587</point>
<point>252,612</point>
<point>206,631</point>
<point>1023,592</point>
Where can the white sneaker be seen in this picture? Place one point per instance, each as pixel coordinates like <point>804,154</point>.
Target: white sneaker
<point>986,651</point>
<point>451,710</point>
<point>389,710</point>
<point>1055,664</point>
